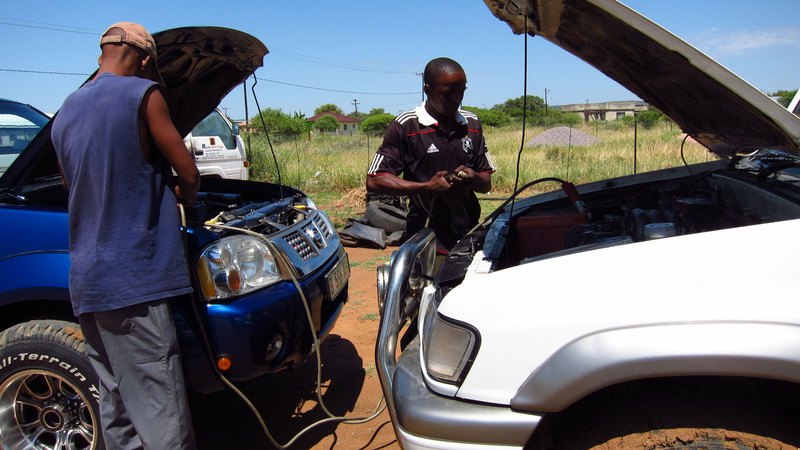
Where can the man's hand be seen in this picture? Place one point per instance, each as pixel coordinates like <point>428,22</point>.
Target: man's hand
<point>183,198</point>
<point>439,182</point>
<point>462,177</point>
<point>466,178</point>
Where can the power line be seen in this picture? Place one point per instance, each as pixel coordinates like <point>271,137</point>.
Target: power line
<point>45,72</point>
<point>337,90</point>
<point>52,24</point>
<point>50,28</point>
<point>274,50</point>
<point>48,72</point>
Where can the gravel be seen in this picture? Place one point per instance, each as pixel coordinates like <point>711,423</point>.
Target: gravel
<point>563,137</point>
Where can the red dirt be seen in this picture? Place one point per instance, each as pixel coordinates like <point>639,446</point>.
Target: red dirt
<point>287,400</point>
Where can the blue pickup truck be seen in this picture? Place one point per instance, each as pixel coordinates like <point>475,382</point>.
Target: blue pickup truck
<point>269,269</point>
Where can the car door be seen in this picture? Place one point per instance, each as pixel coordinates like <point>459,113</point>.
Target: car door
<point>217,148</point>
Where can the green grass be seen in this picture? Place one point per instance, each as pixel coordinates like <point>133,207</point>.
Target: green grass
<point>371,371</point>
<point>370,316</point>
<point>371,263</point>
<point>328,167</point>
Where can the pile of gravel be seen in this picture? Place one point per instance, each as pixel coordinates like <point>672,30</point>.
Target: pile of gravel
<point>563,137</point>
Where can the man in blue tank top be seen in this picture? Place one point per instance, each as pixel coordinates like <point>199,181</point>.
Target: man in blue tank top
<point>117,147</point>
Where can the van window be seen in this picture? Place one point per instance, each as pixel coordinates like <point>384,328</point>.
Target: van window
<point>215,125</point>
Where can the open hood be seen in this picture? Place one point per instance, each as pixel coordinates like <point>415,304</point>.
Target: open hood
<point>710,103</point>
<point>199,65</point>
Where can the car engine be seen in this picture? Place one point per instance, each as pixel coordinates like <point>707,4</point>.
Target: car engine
<point>623,215</point>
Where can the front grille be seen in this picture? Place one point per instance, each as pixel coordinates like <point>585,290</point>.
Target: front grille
<point>323,226</point>
<point>300,245</point>
<point>311,237</point>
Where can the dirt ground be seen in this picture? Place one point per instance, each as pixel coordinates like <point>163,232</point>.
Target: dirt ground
<point>287,400</point>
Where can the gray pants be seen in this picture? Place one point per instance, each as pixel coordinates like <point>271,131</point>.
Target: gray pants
<point>143,403</point>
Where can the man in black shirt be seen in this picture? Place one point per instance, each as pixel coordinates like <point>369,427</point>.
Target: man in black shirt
<point>441,153</point>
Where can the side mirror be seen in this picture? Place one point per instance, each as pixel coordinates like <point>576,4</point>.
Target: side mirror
<point>236,129</point>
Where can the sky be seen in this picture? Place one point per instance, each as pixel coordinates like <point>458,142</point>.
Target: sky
<point>368,54</point>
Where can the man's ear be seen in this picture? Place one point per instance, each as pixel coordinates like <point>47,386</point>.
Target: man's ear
<point>145,62</point>
<point>426,88</point>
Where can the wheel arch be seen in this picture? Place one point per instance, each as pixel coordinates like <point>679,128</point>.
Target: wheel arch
<point>35,309</point>
<point>615,357</point>
<point>760,406</point>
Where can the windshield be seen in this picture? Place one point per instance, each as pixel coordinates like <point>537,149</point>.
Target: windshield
<point>19,124</point>
<point>214,125</point>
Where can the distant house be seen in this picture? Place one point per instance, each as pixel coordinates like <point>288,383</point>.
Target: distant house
<point>605,110</point>
<point>347,125</point>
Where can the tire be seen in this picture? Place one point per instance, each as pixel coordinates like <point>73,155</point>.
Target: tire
<point>386,217</point>
<point>49,397</point>
<point>689,418</point>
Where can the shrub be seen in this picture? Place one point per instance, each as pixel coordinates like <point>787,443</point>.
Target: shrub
<point>376,124</point>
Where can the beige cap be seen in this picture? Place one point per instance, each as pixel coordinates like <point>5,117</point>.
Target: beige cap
<point>136,35</point>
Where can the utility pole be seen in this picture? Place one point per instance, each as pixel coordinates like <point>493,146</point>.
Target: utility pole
<point>355,104</point>
<point>422,85</point>
<point>545,100</point>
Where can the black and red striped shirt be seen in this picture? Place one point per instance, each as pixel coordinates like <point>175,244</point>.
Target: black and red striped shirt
<point>416,147</point>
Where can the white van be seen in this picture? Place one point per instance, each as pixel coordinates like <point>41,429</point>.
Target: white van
<point>217,148</point>
<point>794,105</point>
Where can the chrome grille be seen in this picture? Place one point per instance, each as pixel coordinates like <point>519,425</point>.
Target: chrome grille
<point>300,245</point>
<point>323,226</point>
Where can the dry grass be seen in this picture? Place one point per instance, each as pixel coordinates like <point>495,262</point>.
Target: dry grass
<point>335,166</point>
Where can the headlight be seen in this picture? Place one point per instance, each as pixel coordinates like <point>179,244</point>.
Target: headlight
<point>446,346</point>
<point>236,265</point>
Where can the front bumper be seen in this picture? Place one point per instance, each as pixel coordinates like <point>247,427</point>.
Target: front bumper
<point>421,418</point>
<point>243,328</point>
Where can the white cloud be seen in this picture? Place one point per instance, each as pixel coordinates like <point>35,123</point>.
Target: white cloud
<point>719,43</point>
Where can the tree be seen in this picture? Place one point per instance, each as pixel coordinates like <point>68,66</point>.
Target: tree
<point>489,117</point>
<point>357,115</point>
<point>376,111</point>
<point>326,123</point>
<point>328,107</point>
<point>650,117</point>
<point>376,123</point>
<point>279,123</point>
<point>784,97</point>
<point>513,107</point>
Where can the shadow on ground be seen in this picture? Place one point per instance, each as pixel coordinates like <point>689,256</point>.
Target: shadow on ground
<point>287,402</point>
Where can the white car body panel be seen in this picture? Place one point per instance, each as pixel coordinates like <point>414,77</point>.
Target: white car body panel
<point>556,301</point>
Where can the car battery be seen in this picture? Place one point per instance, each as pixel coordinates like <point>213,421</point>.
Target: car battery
<point>541,233</point>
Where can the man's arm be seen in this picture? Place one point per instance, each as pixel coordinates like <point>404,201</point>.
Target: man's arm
<point>388,183</point>
<point>170,144</point>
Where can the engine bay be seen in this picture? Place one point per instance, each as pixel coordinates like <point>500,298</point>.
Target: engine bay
<point>263,217</point>
<point>612,216</point>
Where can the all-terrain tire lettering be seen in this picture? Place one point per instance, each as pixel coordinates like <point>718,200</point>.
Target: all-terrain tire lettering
<point>43,367</point>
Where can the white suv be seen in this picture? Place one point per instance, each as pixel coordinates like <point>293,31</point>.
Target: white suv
<point>656,310</point>
<point>217,147</point>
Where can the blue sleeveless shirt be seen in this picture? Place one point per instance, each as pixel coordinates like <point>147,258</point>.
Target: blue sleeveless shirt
<point>124,235</point>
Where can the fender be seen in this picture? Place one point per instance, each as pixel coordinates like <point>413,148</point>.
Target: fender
<point>602,359</point>
<point>39,275</point>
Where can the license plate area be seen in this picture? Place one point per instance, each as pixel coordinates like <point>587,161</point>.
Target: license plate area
<point>338,276</point>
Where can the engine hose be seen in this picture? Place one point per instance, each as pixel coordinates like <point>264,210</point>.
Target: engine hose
<point>499,209</point>
<point>210,354</point>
